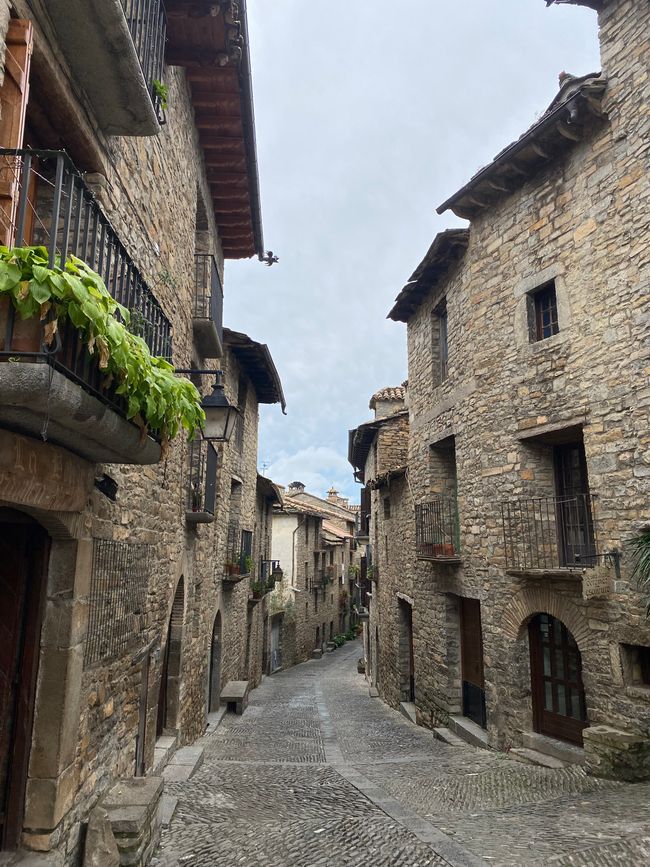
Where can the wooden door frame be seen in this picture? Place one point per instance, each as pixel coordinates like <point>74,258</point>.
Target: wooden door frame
<point>29,640</point>
<point>545,722</point>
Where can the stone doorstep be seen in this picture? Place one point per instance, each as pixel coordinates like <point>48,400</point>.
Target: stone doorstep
<point>533,757</point>
<point>407,709</point>
<point>163,751</point>
<point>235,692</point>
<point>373,692</point>
<point>448,737</point>
<point>168,804</point>
<point>469,731</point>
<point>316,654</point>
<point>561,750</point>
<point>183,764</point>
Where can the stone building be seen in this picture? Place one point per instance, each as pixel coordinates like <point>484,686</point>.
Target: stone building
<point>127,139</point>
<point>528,459</point>
<point>378,451</point>
<point>314,551</point>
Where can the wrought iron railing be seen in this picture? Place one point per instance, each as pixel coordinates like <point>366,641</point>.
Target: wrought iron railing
<point>437,531</point>
<point>202,476</point>
<point>45,201</point>
<point>550,533</point>
<point>239,551</point>
<point>147,24</point>
<point>208,294</point>
<point>267,568</point>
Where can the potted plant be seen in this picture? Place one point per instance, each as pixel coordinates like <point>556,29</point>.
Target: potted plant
<point>444,549</point>
<point>248,564</point>
<point>232,568</point>
<point>26,334</point>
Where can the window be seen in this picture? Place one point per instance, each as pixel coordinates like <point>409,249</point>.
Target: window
<point>544,307</point>
<point>440,344</point>
<point>444,349</point>
<point>386,507</point>
<point>636,664</point>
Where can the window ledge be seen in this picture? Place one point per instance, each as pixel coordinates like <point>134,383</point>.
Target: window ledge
<point>566,574</point>
<point>540,346</point>
<point>639,692</point>
<point>445,561</point>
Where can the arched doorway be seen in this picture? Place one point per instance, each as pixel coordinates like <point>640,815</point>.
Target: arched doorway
<point>24,556</point>
<point>215,666</point>
<point>170,676</point>
<point>559,708</point>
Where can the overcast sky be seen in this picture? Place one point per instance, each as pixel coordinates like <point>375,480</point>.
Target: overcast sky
<point>369,114</point>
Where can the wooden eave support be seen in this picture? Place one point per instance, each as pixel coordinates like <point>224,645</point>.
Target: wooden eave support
<point>499,187</point>
<point>567,131</point>
<point>200,59</point>
<point>539,150</point>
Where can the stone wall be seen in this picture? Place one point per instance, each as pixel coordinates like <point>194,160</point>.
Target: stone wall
<point>583,221</point>
<point>151,190</point>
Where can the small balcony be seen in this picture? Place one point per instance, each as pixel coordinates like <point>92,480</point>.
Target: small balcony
<point>207,316</point>
<point>60,390</point>
<point>203,460</point>
<point>239,555</point>
<point>437,531</point>
<point>264,582</point>
<point>550,535</point>
<point>116,49</point>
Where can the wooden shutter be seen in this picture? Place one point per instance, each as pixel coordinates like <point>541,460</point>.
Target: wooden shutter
<point>14,94</point>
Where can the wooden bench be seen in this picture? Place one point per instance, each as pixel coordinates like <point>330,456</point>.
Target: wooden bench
<point>235,696</point>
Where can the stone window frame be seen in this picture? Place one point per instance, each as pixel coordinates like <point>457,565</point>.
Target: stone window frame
<point>635,663</point>
<point>524,317</point>
<point>439,359</point>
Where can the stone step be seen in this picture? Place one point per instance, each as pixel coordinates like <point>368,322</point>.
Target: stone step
<point>448,737</point>
<point>163,751</point>
<point>317,654</point>
<point>533,757</point>
<point>168,804</point>
<point>551,747</point>
<point>183,764</point>
<point>469,731</point>
<point>408,710</point>
<point>373,692</point>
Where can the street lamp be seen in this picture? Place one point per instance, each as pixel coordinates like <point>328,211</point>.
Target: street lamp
<point>220,414</point>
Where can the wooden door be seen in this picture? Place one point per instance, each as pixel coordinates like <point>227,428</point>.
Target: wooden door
<point>471,653</point>
<point>24,555</point>
<point>576,542</point>
<point>559,709</point>
<point>14,95</point>
<point>215,666</point>
<point>161,720</point>
<point>411,656</point>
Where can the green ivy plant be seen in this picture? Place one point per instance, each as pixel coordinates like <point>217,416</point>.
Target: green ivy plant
<point>157,399</point>
<point>162,92</point>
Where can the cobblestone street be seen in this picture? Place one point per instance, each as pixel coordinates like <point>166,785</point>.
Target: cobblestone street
<point>316,772</point>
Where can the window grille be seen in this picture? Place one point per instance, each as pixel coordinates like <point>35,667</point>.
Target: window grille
<point>118,592</point>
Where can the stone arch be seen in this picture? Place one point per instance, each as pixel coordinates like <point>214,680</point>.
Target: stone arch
<point>541,599</point>
<point>171,669</point>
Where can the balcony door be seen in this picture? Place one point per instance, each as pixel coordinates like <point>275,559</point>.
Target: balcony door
<point>559,709</point>
<point>471,654</point>
<point>24,553</point>
<point>576,542</point>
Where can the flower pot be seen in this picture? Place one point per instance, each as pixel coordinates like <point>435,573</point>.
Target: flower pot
<point>444,550</point>
<point>26,334</point>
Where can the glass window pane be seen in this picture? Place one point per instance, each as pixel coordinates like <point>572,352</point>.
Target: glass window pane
<point>547,661</point>
<point>559,664</point>
<point>561,699</point>
<point>548,696</point>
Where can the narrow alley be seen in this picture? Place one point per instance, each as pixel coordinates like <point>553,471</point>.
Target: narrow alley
<point>317,772</point>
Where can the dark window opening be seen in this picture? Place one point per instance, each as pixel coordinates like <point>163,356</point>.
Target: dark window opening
<point>636,662</point>
<point>544,301</point>
<point>444,348</point>
<point>386,507</point>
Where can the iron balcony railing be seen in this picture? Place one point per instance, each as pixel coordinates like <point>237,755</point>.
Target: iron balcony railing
<point>239,551</point>
<point>549,533</point>
<point>437,530</point>
<point>44,201</point>
<point>147,24</point>
<point>208,295</point>
<point>267,568</point>
<point>202,477</point>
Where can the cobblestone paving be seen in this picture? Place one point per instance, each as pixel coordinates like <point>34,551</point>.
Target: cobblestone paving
<point>318,773</point>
